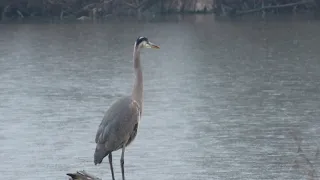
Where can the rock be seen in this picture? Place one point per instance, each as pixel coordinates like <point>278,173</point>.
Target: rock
<point>82,18</point>
<point>203,5</point>
<point>189,6</point>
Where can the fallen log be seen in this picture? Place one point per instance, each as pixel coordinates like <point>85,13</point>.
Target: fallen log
<point>82,175</point>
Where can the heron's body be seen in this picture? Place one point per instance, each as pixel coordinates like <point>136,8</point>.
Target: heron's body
<point>119,125</point>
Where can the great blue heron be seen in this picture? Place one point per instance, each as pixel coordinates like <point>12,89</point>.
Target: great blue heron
<point>120,123</point>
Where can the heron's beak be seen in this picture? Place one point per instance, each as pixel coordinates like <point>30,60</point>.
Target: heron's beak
<point>151,45</point>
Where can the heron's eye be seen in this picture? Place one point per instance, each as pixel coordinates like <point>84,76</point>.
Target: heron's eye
<point>144,43</point>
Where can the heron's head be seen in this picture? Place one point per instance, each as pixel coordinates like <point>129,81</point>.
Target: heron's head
<point>143,42</point>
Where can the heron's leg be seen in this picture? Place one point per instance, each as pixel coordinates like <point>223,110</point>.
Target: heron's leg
<point>122,161</point>
<point>111,166</point>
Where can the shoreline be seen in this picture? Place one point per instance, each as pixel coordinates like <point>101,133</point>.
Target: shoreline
<point>285,17</point>
<point>52,10</point>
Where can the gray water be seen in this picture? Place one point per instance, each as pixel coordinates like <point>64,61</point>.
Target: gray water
<point>221,98</point>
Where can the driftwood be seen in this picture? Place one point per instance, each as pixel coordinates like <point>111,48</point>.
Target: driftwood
<point>82,175</point>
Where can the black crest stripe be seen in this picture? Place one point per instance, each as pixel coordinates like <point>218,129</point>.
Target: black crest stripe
<point>140,40</point>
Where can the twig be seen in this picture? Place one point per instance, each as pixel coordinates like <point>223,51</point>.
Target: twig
<point>61,14</point>
<point>20,14</point>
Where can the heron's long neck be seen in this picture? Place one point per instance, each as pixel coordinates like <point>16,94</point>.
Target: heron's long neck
<point>137,93</point>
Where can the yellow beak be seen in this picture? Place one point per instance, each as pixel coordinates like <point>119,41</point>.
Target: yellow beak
<point>151,45</point>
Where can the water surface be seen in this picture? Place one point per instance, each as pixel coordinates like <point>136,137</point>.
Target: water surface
<point>220,97</point>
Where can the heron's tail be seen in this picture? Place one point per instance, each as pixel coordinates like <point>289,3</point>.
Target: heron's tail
<point>100,153</point>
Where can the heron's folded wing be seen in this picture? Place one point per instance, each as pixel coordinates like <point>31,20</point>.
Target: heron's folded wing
<point>117,122</point>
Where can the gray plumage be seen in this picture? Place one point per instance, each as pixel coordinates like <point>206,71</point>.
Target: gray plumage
<point>119,125</point>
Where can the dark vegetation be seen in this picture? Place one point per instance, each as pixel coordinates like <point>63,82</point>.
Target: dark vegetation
<point>13,9</point>
<point>61,9</point>
<point>242,7</point>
